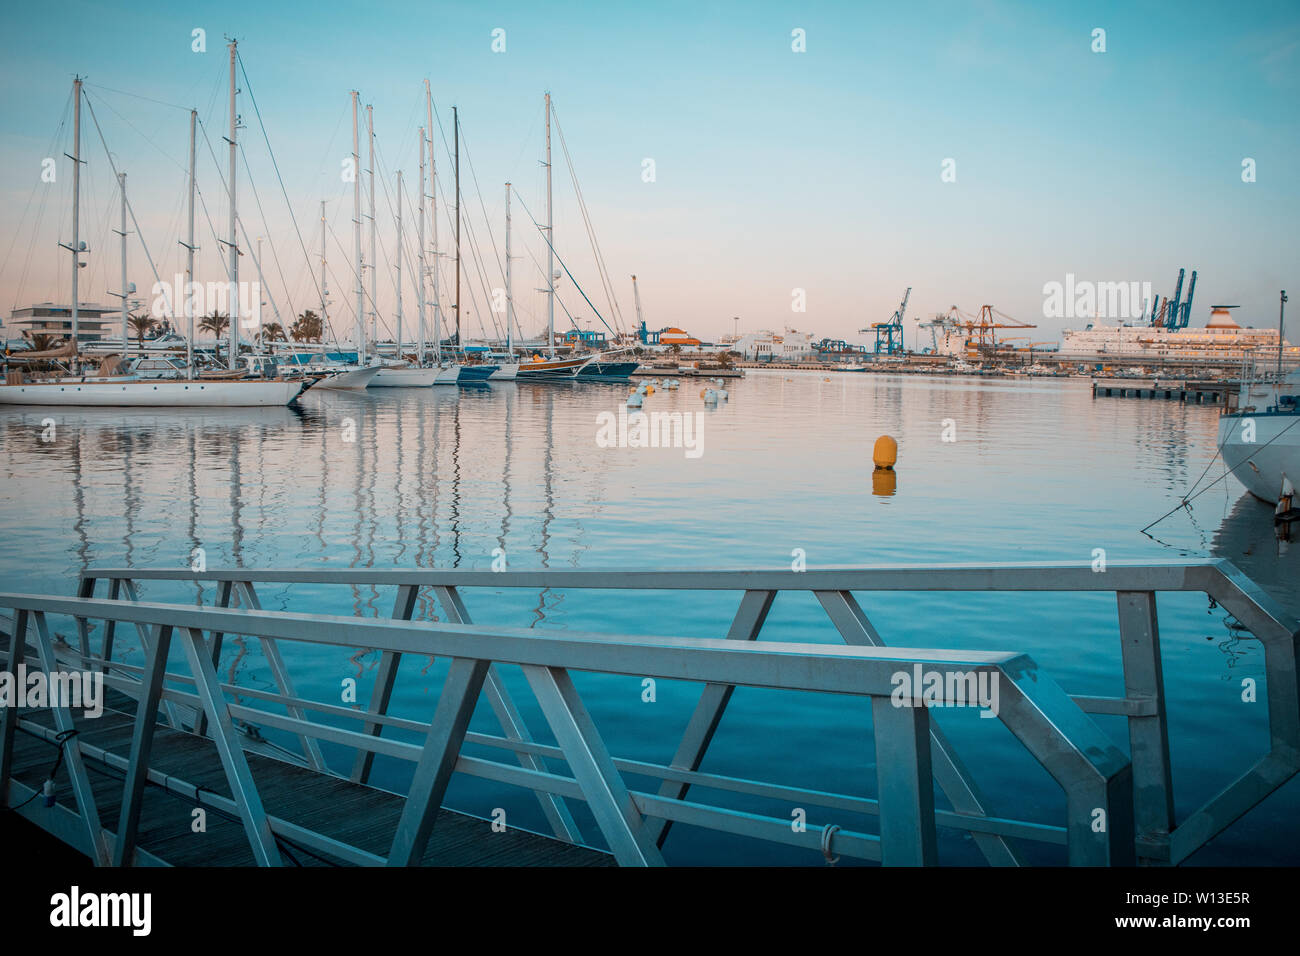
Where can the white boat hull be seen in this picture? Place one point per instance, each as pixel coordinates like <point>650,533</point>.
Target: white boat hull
<point>506,373</point>
<point>356,378</point>
<point>1273,457</point>
<point>405,378</point>
<point>448,376</point>
<point>143,394</point>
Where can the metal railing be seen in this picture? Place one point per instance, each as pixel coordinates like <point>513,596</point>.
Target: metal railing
<point>1158,839</point>
<point>1092,772</point>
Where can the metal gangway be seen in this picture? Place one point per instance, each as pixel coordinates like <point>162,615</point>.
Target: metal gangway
<point>1133,796</point>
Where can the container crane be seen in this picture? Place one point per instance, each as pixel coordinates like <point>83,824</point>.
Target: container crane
<point>983,328</point>
<point>1174,314</point>
<point>889,335</point>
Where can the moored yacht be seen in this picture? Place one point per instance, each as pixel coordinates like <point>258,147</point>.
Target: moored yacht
<point>1260,438</point>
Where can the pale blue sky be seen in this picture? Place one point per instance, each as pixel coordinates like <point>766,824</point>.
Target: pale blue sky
<point>775,170</point>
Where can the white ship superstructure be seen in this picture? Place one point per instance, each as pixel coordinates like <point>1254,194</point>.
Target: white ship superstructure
<point>1221,339</point>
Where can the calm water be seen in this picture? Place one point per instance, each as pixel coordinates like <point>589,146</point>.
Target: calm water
<point>442,477</point>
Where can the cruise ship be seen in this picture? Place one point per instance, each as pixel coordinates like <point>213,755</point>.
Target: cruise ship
<point>1221,339</point>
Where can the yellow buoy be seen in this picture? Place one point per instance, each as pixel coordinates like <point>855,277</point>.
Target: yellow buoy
<point>884,482</point>
<point>885,452</point>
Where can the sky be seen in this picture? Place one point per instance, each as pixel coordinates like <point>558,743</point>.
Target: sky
<point>779,176</point>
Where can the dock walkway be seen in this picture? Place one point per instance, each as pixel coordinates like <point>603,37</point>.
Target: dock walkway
<point>359,815</point>
<point>128,783</point>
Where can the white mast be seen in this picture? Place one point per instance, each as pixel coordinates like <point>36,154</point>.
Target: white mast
<point>420,265</point>
<point>121,181</point>
<point>399,265</point>
<point>510,302</point>
<point>189,261</point>
<point>324,293</point>
<point>234,246</point>
<point>76,247</point>
<point>550,242</point>
<point>433,218</point>
<point>261,285</point>
<point>374,262</point>
<point>356,234</point>
<point>455,123</point>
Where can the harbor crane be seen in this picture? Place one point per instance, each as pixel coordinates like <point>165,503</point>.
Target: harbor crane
<point>983,328</point>
<point>889,335</point>
<point>1175,314</point>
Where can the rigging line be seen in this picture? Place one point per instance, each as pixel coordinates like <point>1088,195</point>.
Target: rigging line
<point>225,265</point>
<point>138,132</point>
<point>148,99</point>
<point>266,228</point>
<point>348,303</point>
<point>482,276</point>
<point>465,222</point>
<point>276,166</point>
<point>383,249</point>
<point>491,235</point>
<point>559,301</point>
<point>478,189</point>
<point>131,209</point>
<point>320,171</point>
<point>601,268</point>
<point>1188,500</point>
<point>565,268</point>
<point>36,186</point>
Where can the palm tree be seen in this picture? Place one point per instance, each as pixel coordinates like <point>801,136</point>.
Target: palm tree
<point>141,324</point>
<point>307,328</point>
<point>273,332</point>
<point>216,323</point>
<point>42,341</point>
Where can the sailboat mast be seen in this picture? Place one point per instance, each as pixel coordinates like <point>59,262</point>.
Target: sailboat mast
<point>433,221</point>
<point>234,247</point>
<point>189,259</point>
<point>374,275</point>
<point>399,265</point>
<point>121,181</point>
<point>550,242</point>
<point>76,208</point>
<point>510,302</point>
<point>356,234</point>
<point>324,294</point>
<point>420,264</point>
<point>455,118</point>
<point>1281,309</point>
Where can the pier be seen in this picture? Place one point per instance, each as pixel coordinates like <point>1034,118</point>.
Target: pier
<point>126,784</point>
<point>1205,392</point>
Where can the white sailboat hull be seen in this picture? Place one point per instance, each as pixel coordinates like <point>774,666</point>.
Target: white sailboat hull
<point>356,378</point>
<point>141,394</point>
<point>1262,465</point>
<point>448,376</point>
<point>405,378</point>
<point>506,373</point>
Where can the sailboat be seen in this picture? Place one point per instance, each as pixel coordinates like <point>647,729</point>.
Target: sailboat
<point>107,387</point>
<point>408,375</point>
<point>549,368</point>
